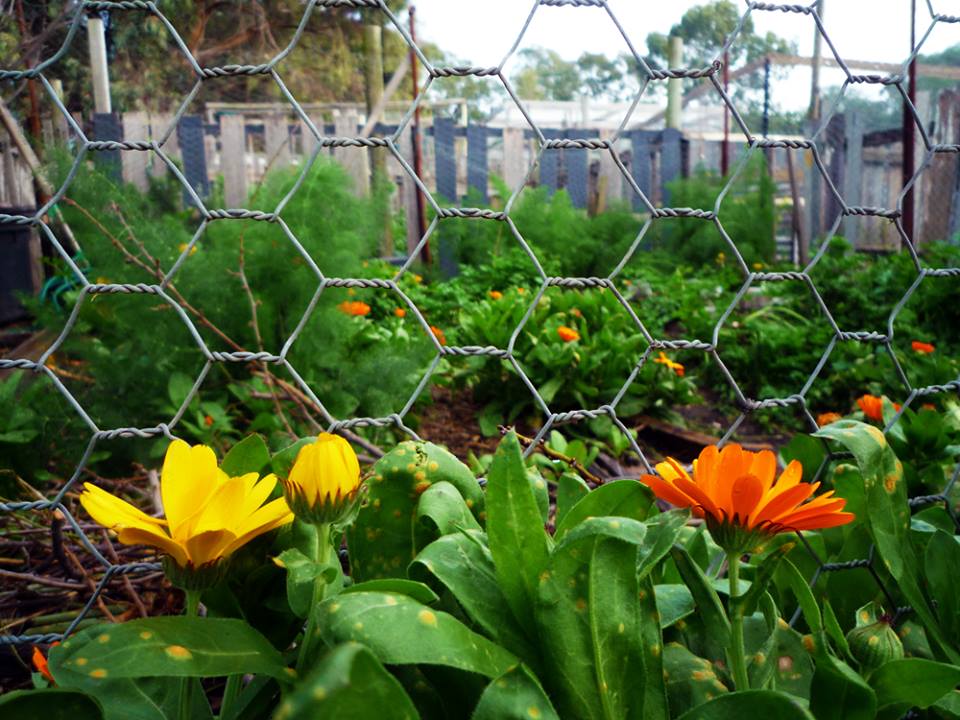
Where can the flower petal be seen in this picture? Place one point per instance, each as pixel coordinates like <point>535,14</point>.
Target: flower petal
<point>746,493</point>
<point>154,538</point>
<point>821,522</point>
<point>112,512</point>
<point>187,481</point>
<point>782,502</point>
<point>700,498</point>
<point>764,466</point>
<point>705,469</point>
<point>666,491</point>
<point>208,546</point>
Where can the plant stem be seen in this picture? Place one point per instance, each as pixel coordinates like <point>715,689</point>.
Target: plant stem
<point>737,661</point>
<point>186,684</point>
<point>324,548</point>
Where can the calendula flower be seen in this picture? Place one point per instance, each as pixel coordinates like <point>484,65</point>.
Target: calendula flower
<point>521,291</point>
<point>39,661</point>
<point>662,359</point>
<point>438,334</point>
<point>208,515</point>
<point>417,279</point>
<point>496,295</point>
<point>323,483</point>
<point>824,419</point>
<point>872,407</point>
<point>567,334</point>
<point>208,420</point>
<point>576,312</point>
<point>354,308</point>
<point>183,246</point>
<point>400,312</point>
<point>741,499</point>
<point>922,347</point>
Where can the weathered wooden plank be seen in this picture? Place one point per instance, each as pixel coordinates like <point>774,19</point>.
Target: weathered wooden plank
<point>354,160</point>
<point>136,126</point>
<point>277,137</point>
<point>515,165</point>
<point>233,154</point>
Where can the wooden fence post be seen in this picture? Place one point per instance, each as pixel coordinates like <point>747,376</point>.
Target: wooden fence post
<point>409,190</point>
<point>233,159</point>
<point>277,141</point>
<point>356,161</point>
<point>853,172</point>
<point>514,158</point>
<point>134,162</point>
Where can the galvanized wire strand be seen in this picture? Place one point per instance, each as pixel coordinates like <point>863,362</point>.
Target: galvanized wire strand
<point>713,348</point>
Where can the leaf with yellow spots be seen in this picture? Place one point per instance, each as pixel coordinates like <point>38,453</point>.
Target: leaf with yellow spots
<point>401,631</point>
<point>348,683</point>
<point>170,647</point>
<point>515,695</point>
<point>887,516</point>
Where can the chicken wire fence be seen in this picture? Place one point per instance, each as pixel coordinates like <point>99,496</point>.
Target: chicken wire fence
<point>115,571</point>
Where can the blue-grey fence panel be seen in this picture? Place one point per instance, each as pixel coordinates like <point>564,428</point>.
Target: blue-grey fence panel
<point>477,180</point>
<point>193,151</point>
<point>444,134</point>
<point>107,128</point>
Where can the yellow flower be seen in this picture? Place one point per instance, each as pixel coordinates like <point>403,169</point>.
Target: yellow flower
<point>324,480</point>
<point>208,514</point>
<point>183,246</point>
<point>675,366</point>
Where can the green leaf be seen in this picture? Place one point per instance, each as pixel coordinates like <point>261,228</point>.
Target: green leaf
<point>247,456</point>
<point>942,565</point>
<point>50,704</point>
<point>621,498</point>
<point>169,647</point>
<point>747,704</point>
<point>832,627</point>
<point>691,680</point>
<point>597,638</point>
<point>674,602</point>
<point>518,543</point>
<point>444,506</point>
<point>301,572</point>
<point>401,631</point>
<point>515,695</point>
<point>762,578</point>
<point>913,682</point>
<point>416,590</point>
<point>463,563</point>
<point>839,693</point>
<point>708,602</point>
<point>888,517</point>
<point>348,684</point>
<point>808,604</point>
<point>571,488</point>
<point>662,534</point>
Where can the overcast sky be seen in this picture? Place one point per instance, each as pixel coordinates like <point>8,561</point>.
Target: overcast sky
<point>482,31</point>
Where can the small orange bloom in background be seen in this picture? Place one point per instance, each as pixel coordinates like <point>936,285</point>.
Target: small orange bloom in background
<point>929,406</point>
<point>40,663</point>
<point>576,313</point>
<point>208,420</point>
<point>400,312</point>
<point>521,291</point>
<point>496,295</point>
<point>438,334</point>
<point>872,407</point>
<point>675,366</point>
<point>824,419</point>
<point>418,279</point>
<point>922,347</point>
<point>567,334</point>
<point>354,307</point>
<point>743,502</point>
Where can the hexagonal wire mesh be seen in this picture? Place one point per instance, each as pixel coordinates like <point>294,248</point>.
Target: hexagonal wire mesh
<point>711,347</point>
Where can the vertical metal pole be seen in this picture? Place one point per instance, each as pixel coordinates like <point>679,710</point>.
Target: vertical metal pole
<point>417,144</point>
<point>98,64</point>
<point>909,130</point>
<point>725,149</point>
<point>675,85</point>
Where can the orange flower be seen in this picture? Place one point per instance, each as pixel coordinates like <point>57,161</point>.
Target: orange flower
<point>521,290</point>
<point>400,312</point>
<point>576,313</point>
<point>742,501</point>
<point>438,334</point>
<point>496,295</point>
<point>355,308</point>
<point>208,420</point>
<point>928,406</point>
<point>567,334</point>
<point>922,347</point>
<point>675,366</point>
<point>872,407</point>
<point>40,663</point>
<point>824,419</point>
